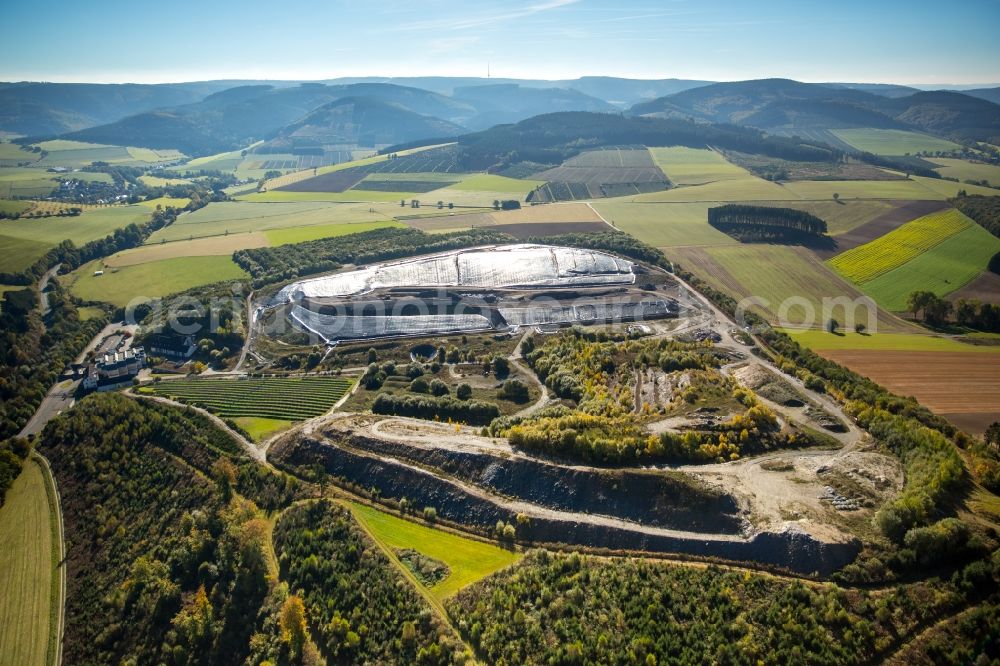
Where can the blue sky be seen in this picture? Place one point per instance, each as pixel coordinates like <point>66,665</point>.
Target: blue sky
<point>181,40</point>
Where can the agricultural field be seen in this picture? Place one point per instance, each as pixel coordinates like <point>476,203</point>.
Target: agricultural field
<point>155,279</point>
<point>26,182</point>
<point>822,341</point>
<point>892,141</point>
<point>315,232</point>
<point>12,154</point>
<point>260,428</point>
<point>17,254</point>
<point>349,196</point>
<point>960,386</point>
<point>949,188</point>
<point>943,269</point>
<point>92,224</point>
<point>9,207</point>
<point>604,172</point>
<point>165,202</point>
<point>567,217</point>
<point>792,276</point>
<point>696,166</point>
<point>467,559</point>
<point>914,188</point>
<point>238,217</point>
<point>157,181</point>
<point>749,188</point>
<point>486,182</point>
<point>283,398</point>
<point>27,571</point>
<point>24,241</point>
<point>967,170</point>
<point>664,225</point>
<point>199,247</point>
<point>76,154</point>
<point>894,249</point>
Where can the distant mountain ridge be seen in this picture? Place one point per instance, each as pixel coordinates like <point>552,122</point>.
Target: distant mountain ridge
<point>786,104</point>
<point>208,117</point>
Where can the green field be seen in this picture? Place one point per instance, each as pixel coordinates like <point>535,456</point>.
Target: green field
<point>822,341</point>
<point>862,189</point>
<point>893,142</point>
<point>151,280</point>
<point>260,428</point>
<point>76,154</point>
<point>91,225</point>
<point>946,267</point>
<point>315,232</point>
<point>748,188</point>
<point>468,560</point>
<point>216,219</point>
<point>663,225</point>
<point>781,275</point>
<point>9,207</point>
<point>13,153</point>
<point>17,254</point>
<point>485,182</point>
<point>868,261</point>
<point>282,398</point>
<point>966,170</point>
<point>281,196</point>
<point>26,570</point>
<point>949,188</point>
<point>156,181</point>
<point>165,202</point>
<point>696,166</point>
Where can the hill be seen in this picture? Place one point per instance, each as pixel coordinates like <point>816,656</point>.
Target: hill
<point>511,102</point>
<point>235,117</point>
<point>54,108</point>
<point>787,104</point>
<point>363,121</point>
<point>552,138</point>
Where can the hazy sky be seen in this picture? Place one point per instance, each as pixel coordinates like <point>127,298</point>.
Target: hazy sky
<point>181,40</point>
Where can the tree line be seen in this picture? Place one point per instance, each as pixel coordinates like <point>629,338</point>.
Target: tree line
<point>747,222</point>
<point>286,262</point>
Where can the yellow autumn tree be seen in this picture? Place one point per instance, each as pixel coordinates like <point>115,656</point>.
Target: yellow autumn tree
<point>293,623</point>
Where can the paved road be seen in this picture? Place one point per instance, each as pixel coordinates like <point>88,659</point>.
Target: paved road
<point>59,399</point>
<point>43,284</point>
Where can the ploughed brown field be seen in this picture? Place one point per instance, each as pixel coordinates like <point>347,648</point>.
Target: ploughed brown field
<point>964,387</point>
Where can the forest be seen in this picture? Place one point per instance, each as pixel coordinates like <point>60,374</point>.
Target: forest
<point>765,223</point>
<point>573,609</point>
<point>33,352</point>
<point>166,562</point>
<point>362,609</point>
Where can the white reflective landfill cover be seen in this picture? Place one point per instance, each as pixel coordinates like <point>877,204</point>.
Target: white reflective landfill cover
<point>506,266</point>
<point>349,327</point>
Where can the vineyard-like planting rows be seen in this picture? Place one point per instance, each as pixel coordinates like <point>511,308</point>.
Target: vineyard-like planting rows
<point>867,262</point>
<point>287,398</point>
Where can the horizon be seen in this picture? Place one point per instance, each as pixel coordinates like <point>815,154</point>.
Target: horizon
<point>894,42</point>
<point>949,86</point>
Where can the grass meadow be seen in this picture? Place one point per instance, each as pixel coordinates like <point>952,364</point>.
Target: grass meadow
<point>822,341</point>
<point>26,570</point>
<point>469,560</point>
<point>944,268</point>
<point>893,142</point>
<point>155,279</point>
<point>237,217</point>
<point>966,170</point>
